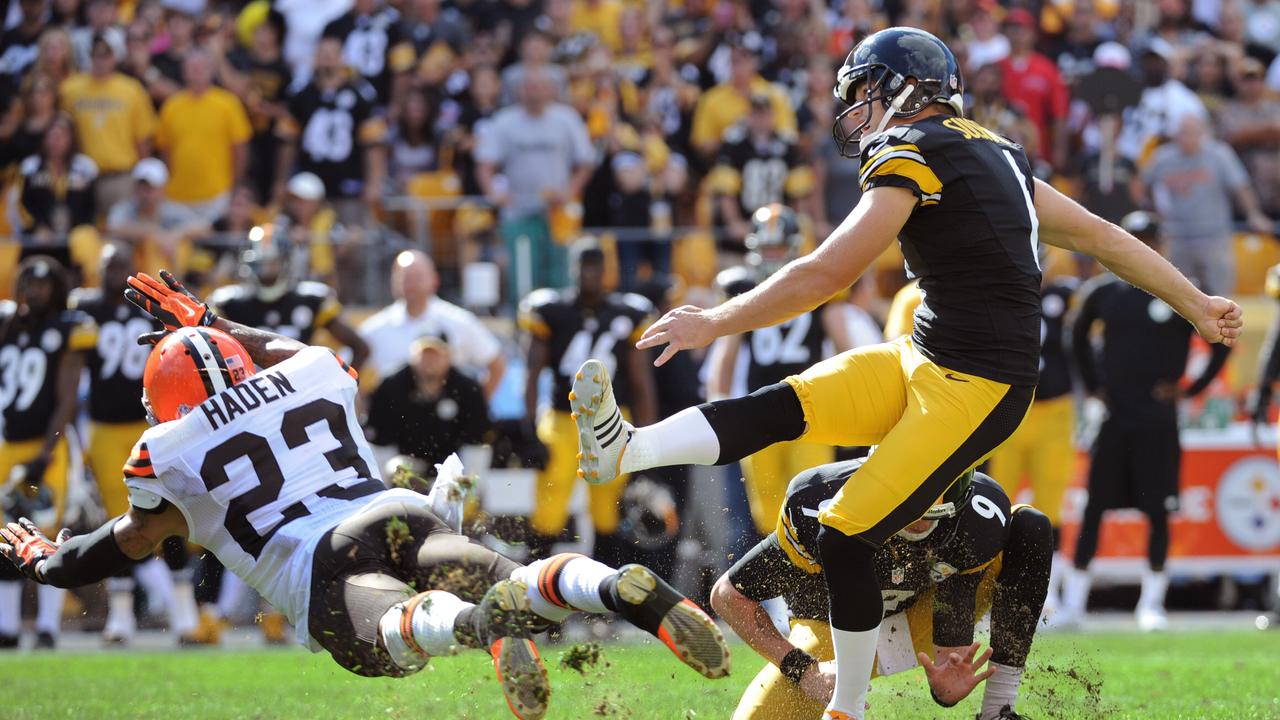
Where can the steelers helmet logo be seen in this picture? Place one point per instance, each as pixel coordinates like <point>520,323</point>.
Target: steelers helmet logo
<point>51,340</point>
<point>1248,504</point>
<point>1159,312</point>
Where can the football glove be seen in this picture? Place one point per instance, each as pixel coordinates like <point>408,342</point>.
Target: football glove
<point>169,302</point>
<point>28,548</point>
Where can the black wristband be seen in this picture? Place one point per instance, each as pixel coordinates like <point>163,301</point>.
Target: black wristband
<point>86,559</point>
<point>795,663</point>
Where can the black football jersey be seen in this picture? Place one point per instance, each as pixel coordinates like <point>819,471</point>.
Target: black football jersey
<point>575,333</point>
<point>971,241</point>
<point>782,350</point>
<point>1055,369</point>
<point>1144,343</point>
<point>786,563</point>
<point>333,127</point>
<point>374,46</point>
<point>29,360</point>
<point>116,361</point>
<point>296,314</point>
<point>758,173</point>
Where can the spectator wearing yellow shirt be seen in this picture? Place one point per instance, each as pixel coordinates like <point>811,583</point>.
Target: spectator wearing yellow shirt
<point>204,134</point>
<point>728,103</point>
<point>600,18</point>
<point>114,121</point>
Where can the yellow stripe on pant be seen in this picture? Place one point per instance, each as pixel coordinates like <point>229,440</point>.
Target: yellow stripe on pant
<point>17,453</point>
<point>769,696</point>
<point>768,472</point>
<point>919,414</point>
<point>1042,454</point>
<point>555,483</point>
<point>109,446</point>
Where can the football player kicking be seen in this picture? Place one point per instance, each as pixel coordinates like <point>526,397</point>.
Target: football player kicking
<point>969,554</point>
<point>969,216</point>
<point>270,472</point>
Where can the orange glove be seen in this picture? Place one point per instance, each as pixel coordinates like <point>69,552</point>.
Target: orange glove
<point>28,548</point>
<point>170,303</point>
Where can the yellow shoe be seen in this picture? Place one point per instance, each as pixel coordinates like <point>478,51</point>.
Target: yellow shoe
<point>208,631</point>
<point>274,628</point>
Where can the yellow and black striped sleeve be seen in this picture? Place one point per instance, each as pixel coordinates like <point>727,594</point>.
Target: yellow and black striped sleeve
<point>894,162</point>
<point>789,541</point>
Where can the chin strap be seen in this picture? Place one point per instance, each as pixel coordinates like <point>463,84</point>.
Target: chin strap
<point>894,108</point>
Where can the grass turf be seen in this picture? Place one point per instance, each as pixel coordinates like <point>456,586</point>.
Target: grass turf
<point>1185,675</point>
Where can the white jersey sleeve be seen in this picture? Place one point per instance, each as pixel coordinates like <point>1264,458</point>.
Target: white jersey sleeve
<point>262,470</point>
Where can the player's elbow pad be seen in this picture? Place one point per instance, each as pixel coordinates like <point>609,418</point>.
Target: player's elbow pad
<point>86,559</point>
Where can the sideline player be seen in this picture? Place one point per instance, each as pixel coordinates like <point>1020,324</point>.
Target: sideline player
<point>774,353</point>
<point>237,463</point>
<point>1136,458</point>
<point>42,348</point>
<point>971,553</point>
<point>970,218</point>
<point>116,419</point>
<point>565,327</point>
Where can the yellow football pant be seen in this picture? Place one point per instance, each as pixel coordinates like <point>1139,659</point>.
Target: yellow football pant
<point>557,480</point>
<point>769,696</point>
<point>919,414</point>
<point>13,454</point>
<point>109,447</point>
<point>768,472</point>
<point>1041,453</point>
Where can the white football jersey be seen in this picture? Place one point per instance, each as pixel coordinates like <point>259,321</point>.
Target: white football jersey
<point>261,470</point>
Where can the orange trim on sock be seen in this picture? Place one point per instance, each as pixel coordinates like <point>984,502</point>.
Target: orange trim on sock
<point>406,623</point>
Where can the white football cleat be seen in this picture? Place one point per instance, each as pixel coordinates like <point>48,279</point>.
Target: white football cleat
<point>602,433</point>
<point>1152,618</point>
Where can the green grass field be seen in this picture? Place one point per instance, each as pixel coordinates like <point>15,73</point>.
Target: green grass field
<point>1229,675</point>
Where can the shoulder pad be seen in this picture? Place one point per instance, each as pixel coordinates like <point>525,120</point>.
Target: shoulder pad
<point>83,298</point>
<point>1097,282</point>
<point>310,288</point>
<point>542,297</point>
<point>84,165</point>
<point>29,164</point>
<point>75,317</point>
<point>638,303</point>
<point>227,294</point>
<point>1066,284</point>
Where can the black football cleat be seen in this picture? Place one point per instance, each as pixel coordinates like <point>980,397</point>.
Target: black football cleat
<point>648,602</point>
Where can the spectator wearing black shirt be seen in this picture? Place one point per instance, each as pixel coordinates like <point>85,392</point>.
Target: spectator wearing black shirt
<point>260,77</point>
<point>180,27</point>
<point>19,46</point>
<point>428,409</point>
<point>1135,460</point>
<point>376,45</point>
<point>56,191</point>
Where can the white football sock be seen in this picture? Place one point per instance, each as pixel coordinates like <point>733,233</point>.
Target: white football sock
<point>685,438</point>
<point>578,582</point>
<point>1056,571</point>
<point>231,595</point>
<point>431,627</point>
<point>183,616</point>
<point>157,582</point>
<point>855,658</point>
<point>1075,589</point>
<point>10,607</point>
<point>1001,689</point>
<point>49,613</point>
<point>120,619</point>
<point>1154,587</point>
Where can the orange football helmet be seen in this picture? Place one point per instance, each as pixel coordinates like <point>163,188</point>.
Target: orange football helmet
<point>187,367</point>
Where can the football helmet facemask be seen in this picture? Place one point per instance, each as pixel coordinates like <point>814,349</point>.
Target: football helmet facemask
<point>265,263</point>
<point>903,69</point>
<point>775,238</point>
<point>955,498</point>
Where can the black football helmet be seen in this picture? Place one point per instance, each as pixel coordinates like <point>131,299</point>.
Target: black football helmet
<point>265,263</point>
<point>905,70</point>
<point>775,238</point>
